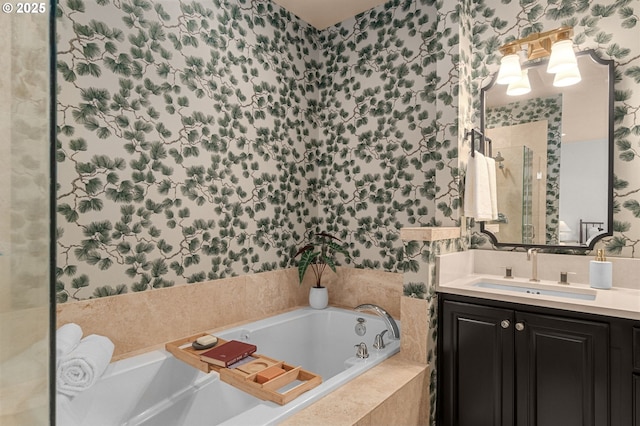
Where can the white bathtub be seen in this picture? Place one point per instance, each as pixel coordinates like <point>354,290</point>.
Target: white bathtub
<point>157,389</point>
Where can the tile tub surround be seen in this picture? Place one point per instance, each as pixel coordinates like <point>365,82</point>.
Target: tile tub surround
<point>137,322</point>
<point>396,392</point>
<point>457,270</point>
<point>415,337</point>
<point>427,233</point>
<point>397,386</point>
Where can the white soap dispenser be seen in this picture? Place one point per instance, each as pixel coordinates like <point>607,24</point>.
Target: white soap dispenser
<point>600,272</point>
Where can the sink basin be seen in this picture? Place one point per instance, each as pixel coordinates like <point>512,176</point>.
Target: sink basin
<point>580,294</point>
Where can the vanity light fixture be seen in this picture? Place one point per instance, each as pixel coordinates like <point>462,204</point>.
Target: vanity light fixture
<point>510,71</point>
<point>562,57</point>
<point>567,78</point>
<point>520,87</point>
<point>556,44</point>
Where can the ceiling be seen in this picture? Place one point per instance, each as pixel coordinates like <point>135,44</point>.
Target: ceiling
<point>325,13</point>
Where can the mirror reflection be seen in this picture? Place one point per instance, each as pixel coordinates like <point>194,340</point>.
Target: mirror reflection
<point>553,152</point>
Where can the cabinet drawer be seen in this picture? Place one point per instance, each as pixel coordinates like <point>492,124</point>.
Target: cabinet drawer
<point>636,349</point>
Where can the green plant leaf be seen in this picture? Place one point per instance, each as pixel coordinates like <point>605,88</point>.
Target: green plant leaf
<point>308,257</point>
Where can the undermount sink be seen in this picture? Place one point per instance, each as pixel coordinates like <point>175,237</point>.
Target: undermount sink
<point>574,293</point>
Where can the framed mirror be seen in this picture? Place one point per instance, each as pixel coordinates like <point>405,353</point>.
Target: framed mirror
<point>554,157</point>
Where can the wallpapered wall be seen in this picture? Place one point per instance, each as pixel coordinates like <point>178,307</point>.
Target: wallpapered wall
<point>201,140</point>
<point>186,142</point>
<point>388,122</point>
<point>611,29</point>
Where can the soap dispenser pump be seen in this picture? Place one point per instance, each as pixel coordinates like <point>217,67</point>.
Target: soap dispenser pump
<point>600,272</point>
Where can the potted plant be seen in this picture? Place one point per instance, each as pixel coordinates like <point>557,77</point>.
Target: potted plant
<point>319,253</point>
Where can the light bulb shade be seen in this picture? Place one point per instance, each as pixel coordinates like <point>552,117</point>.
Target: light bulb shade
<point>564,227</point>
<point>510,71</point>
<point>567,78</point>
<point>562,57</point>
<point>520,87</point>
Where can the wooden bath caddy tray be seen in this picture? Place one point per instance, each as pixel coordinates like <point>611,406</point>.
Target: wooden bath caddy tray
<point>244,376</point>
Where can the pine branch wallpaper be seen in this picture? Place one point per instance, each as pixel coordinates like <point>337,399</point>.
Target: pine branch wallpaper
<point>186,142</point>
<point>611,30</point>
<point>199,140</point>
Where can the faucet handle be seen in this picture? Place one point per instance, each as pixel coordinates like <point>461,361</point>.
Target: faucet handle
<point>564,277</point>
<point>362,351</point>
<point>508,271</point>
<point>378,341</point>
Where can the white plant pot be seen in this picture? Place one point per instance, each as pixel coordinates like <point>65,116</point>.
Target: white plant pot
<point>318,297</point>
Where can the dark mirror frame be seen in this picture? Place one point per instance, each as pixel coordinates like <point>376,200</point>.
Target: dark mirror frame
<point>610,64</point>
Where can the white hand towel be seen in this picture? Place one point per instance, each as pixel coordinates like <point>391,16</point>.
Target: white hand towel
<point>82,367</point>
<point>491,174</point>
<point>469,188</point>
<point>67,338</point>
<point>477,194</point>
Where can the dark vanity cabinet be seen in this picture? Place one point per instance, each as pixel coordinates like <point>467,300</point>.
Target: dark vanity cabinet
<point>636,376</point>
<point>636,400</point>
<point>503,364</point>
<point>477,365</point>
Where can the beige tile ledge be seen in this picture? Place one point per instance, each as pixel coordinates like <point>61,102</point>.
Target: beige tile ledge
<point>429,233</point>
<point>213,304</point>
<point>363,401</point>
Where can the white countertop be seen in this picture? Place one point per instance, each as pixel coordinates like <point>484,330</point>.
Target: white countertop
<point>617,302</point>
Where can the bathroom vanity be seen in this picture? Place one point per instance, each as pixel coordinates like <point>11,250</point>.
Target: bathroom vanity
<point>515,355</point>
<point>530,343</point>
<point>513,364</point>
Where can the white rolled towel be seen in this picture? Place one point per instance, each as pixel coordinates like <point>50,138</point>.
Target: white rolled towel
<point>67,338</point>
<point>84,365</point>
<point>64,412</point>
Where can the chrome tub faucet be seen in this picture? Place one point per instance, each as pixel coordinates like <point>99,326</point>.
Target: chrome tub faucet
<point>392,326</point>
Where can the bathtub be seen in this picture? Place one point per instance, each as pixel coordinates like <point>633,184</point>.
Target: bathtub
<point>157,389</point>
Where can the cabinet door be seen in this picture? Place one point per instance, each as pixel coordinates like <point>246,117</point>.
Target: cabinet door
<point>477,387</point>
<point>562,368</point>
<point>636,400</point>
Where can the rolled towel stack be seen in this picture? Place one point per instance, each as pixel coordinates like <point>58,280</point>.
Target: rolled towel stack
<point>67,338</point>
<point>83,366</point>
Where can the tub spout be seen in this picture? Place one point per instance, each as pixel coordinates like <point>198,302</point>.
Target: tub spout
<point>394,331</point>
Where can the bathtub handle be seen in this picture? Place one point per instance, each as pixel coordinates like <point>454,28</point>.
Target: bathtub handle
<point>362,351</point>
<point>378,341</point>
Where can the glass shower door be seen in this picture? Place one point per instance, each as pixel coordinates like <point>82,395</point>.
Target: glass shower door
<point>528,228</point>
<point>25,217</point>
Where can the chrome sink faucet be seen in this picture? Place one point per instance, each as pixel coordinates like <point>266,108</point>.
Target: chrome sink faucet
<point>532,255</point>
<point>392,326</point>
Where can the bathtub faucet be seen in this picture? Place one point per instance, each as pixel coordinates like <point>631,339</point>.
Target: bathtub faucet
<point>394,331</point>
<point>361,350</point>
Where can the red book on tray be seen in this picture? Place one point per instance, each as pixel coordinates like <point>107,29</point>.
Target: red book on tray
<point>228,353</point>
